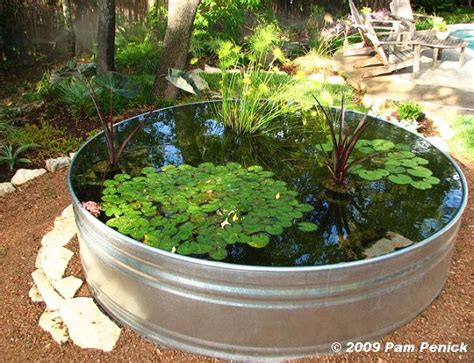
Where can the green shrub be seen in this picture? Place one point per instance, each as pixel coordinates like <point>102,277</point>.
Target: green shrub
<point>74,94</point>
<point>219,20</point>
<point>463,141</point>
<point>424,24</point>
<point>145,85</point>
<point>408,110</point>
<point>458,15</point>
<point>138,57</point>
<point>51,141</point>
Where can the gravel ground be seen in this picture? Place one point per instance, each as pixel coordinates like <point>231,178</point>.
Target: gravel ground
<point>27,214</point>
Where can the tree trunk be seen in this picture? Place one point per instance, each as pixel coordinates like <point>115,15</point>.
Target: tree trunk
<point>70,34</point>
<point>106,36</point>
<point>179,27</point>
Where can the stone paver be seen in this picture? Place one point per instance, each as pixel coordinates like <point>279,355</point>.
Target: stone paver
<point>53,260</point>
<point>67,286</point>
<point>53,324</point>
<point>52,299</point>
<point>88,327</point>
<point>34,294</point>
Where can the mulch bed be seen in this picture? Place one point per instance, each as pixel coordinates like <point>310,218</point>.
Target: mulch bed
<point>27,214</point>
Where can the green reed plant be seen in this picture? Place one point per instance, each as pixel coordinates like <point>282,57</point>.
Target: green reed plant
<point>251,100</point>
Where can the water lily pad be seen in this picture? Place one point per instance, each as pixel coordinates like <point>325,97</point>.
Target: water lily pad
<point>400,179</point>
<point>382,145</point>
<point>395,169</point>
<point>409,163</point>
<point>432,180</point>
<point>402,147</point>
<point>201,210</point>
<point>420,171</point>
<point>420,185</point>
<point>274,229</point>
<point>420,161</point>
<point>307,227</point>
<point>259,240</point>
<point>373,175</point>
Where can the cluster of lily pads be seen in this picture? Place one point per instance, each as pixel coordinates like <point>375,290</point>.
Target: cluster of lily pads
<point>379,158</point>
<point>201,210</point>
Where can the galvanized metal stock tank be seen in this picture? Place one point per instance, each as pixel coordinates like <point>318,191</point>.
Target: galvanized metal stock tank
<point>246,312</point>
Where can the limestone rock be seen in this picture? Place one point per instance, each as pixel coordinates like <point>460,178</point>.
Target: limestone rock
<point>389,243</point>
<point>209,69</point>
<point>53,260</point>
<point>67,286</point>
<point>52,299</point>
<point>23,176</point>
<point>6,188</point>
<point>338,80</point>
<point>53,324</point>
<point>443,126</point>
<point>68,212</point>
<point>318,77</point>
<point>88,327</point>
<point>56,164</point>
<point>34,294</point>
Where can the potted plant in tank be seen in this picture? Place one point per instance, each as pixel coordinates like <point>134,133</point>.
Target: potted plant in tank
<point>347,153</point>
<point>441,28</point>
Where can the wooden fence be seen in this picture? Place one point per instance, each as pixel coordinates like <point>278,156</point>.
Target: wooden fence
<point>35,27</point>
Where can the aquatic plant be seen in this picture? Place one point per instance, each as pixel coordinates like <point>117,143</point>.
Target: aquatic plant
<point>371,160</point>
<point>257,105</point>
<point>201,210</point>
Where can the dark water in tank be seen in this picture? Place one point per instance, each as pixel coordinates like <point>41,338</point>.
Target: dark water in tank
<point>190,134</point>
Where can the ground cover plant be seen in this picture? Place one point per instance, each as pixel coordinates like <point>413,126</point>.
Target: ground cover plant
<point>200,210</point>
<point>463,139</point>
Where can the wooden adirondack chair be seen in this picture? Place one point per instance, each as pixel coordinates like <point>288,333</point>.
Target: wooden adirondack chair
<point>391,53</point>
<point>401,10</point>
<point>388,27</point>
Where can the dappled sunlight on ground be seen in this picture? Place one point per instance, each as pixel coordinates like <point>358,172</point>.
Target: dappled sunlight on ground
<point>447,85</point>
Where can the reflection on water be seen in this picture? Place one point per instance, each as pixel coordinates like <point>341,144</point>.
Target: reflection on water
<point>190,134</point>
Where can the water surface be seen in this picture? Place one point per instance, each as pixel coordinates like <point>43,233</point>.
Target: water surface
<point>191,134</point>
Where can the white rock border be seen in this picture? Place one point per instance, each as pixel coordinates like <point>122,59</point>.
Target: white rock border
<point>68,317</point>
<point>24,176</point>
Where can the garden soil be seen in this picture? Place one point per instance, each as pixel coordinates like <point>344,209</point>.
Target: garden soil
<point>27,214</point>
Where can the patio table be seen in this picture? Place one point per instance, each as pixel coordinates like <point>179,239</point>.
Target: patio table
<point>428,39</point>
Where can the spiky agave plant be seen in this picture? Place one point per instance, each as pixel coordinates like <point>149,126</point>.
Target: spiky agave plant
<point>339,161</point>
